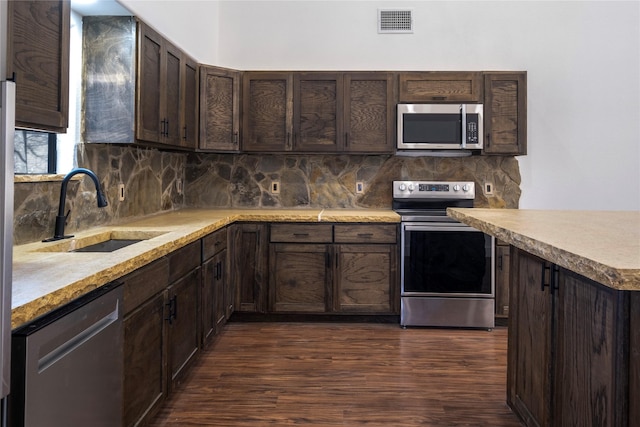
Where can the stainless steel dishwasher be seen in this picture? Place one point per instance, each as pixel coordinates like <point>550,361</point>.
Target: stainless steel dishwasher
<point>67,365</point>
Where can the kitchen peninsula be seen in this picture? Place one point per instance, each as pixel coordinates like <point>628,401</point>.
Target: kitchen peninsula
<point>574,336</point>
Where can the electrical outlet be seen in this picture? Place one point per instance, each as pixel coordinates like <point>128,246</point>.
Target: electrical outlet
<point>359,187</point>
<point>275,187</point>
<point>121,192</point>
<point>179,186</point>
<point>488,188</point>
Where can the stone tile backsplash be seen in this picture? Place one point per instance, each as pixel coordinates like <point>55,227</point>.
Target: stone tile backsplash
<point>329,181</point>
<point>149,177</point>
<point>241,181</point>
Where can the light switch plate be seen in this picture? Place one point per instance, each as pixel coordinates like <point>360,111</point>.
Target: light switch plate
<point>488,188</point>
<point>275,187</point>
<point>359,187</point>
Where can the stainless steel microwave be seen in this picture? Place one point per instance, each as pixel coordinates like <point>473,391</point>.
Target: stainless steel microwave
<point>440,127</point>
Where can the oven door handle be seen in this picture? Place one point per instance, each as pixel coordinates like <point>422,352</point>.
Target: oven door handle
<point>438,227</point>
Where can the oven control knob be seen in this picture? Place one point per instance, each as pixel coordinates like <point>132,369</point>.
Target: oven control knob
<point>402,187</point>
<point>456,187</point>
<point>412,187</point>
<point>465,188</point>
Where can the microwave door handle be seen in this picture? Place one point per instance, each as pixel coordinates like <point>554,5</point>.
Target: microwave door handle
<point>463,111</point>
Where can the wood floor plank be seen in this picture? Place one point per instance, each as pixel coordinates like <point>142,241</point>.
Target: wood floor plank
<point>345,374</point>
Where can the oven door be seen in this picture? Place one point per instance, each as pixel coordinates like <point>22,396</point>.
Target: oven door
<point>446,260</point>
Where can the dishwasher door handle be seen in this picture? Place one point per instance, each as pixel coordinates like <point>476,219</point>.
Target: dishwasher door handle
<point>82,337</point>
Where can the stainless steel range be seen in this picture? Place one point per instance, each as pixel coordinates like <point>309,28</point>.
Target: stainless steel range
<point>447,269</point>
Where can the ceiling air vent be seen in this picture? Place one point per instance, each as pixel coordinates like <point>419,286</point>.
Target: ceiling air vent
<point>395,21</point>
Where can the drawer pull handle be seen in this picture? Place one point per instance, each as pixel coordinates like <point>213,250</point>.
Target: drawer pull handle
<point>301,234</point>
<point>365,234</point>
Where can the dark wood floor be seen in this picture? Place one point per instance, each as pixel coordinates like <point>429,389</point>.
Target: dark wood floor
<point>328,374</point>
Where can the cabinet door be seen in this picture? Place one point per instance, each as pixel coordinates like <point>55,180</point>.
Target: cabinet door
<point>366,279</point>
<point>529,347</point>
<point>184,331</point>
<point>369,101</point>
<point>317,112</point>
<point>249,251</point>
<point>38,57</point>
<point>502,280</point>
<point>170,108</point>
<point>267,111</point>
<point>440,86</point>
<point>505,113</point>
<point>219,109</point>
<point>590,353</point>
<point>634,356</point>
<point>189,104</point>
<point>214,306</point>
<point>299,278</point>
<point>208,300</point>
<point>145,344</point>
<point>149,124</point>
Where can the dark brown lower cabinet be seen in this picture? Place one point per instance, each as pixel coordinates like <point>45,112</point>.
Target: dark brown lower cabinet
<point>249,254</point>
<point>145,341</point>
<point>145,386</point>
<point>214,298</point>
<point>365,279</point>
<point>327,268</point>
<point>569,347</point>
<point>299,278</point>
<point>161,330</point>
<point>183,320</point>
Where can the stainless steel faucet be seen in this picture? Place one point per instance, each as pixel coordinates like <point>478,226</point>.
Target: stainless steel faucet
<point>61,219</point>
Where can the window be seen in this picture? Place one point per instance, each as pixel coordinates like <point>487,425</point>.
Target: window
<point>34,152</point>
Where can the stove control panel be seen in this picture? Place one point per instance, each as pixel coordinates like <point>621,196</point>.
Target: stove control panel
<point>433,190</point>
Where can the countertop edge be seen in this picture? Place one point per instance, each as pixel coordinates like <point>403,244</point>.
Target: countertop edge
<point>615,278</point>
<point>29,310</point>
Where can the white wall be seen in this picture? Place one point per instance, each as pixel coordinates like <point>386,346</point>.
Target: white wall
<point>582,59</point>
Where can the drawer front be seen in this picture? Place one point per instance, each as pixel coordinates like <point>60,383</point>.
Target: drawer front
<point>144,283</point>
<point>184,260</point>
<point>302,233</point>
<point>366,233</point>
<point>214,243</point>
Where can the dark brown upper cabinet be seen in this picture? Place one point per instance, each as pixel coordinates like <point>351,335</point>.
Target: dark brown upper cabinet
<point>219,109</point>
<point>137,87</point>
<point>189,131</point>
<point>38,59</point>
<point>320,112</point>
<point>158,94</point>
<point>317,112</point>
<point>505,113</point>
<point>267,100</point>
<point>440,86</point>
<point>369,117</point>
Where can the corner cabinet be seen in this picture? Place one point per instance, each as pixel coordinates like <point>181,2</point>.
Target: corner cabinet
<point>505,113</point>
<point>38,58</point>
<point>570,342</point>
<point>318,112</point>
<point>219,109</point>
<point>146,94</point>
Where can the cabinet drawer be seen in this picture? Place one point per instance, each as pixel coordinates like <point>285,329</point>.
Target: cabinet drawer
<point>184,260</point>
<point>144,283</point>
<point>306,233</point>
<point>366,233</point>
<point>214,243</point>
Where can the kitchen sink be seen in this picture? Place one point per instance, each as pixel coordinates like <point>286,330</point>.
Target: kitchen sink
<point>107,241</point>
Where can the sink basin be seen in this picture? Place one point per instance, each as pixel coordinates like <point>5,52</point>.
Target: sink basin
<point>107,241</point>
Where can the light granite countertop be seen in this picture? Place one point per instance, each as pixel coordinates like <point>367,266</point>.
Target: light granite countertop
<point>44,279</point>
<point>601,245</point>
